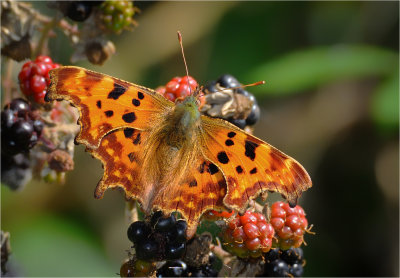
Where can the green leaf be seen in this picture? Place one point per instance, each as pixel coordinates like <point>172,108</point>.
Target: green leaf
<point>53,246</point>
<point>385,104</point>
<point>308,69</point>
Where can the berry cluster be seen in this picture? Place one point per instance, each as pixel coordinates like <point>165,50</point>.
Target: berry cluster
<point>162,238</point>
<point>34,77</point>
<point>287,263</point>
<point>228,81</point>
<point>289,224</point>
<point>20,127</point>
<point>179,268</point>
<point>248,235</point>
<point>117,15</point>
<point>178,87</point>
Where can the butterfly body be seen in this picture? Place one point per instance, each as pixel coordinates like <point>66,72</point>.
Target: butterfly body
<point>167,155</point>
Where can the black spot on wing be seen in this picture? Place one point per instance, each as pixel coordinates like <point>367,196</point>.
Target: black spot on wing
<point>116,92</point>
<point>212,169</point>
<point>202,168</point>
<point>229,142</point>
<point>253,171</point>
<point>239,169</point>
<point>250,149</point>
<point>137,139</point>
<point>131,157</point>
<point>109,113</point>
<point>98,104</point>
<point>140,95</point>
<point>128,132</point>
<point>136,102</point>
<point>231,134</point>
<point>223,157</point>
<point>193,183</point>
<point>129,117</point>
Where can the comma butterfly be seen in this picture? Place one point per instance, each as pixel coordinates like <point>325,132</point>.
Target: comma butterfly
<point>167,155</point>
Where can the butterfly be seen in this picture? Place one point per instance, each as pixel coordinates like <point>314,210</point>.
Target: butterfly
<point>168,155</point>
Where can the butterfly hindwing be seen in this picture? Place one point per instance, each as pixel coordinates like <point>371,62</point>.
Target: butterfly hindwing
<point>203,189</point>
<point>105,103</point>
<point>250,165</point>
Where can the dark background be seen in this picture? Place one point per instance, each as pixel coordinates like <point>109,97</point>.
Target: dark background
<point>331,101</point>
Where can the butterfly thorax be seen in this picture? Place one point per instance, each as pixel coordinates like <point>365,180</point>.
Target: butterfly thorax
<point>172,146</point>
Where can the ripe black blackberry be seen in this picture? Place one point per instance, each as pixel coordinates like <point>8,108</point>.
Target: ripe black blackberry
<point>284,263</point>
<point>162,238</point>
<point>20,128</point>
<point>229,81</point>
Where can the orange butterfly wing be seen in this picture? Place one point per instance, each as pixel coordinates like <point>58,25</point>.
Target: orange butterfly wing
<point>105,103</point>
<point>119,151</point>
<point>250,165</point>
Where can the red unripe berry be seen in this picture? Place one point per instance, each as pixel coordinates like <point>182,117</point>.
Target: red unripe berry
<point>289,223</point>
<point>251,230</point>
<point>234,223</point>
<point>43,59</point>
<point>37,84</point>
<point>277,223</point>
<point>239,234</point>
<point>293,221</point>
<point>180,87</point>
<point>248,217</point>
<point>34,77</point>
<point>278,212</point>
<point>253,244</point>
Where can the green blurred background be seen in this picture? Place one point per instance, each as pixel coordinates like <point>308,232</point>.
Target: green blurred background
<point>331,101</point>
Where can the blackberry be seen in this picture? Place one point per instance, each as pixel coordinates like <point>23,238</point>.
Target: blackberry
<point>20,128</point>
<point>160,238</point>
<point>296,270</point>
<point>175,250</point>
<point>277,268</point>
<point>287,263</point>
<point>138,231</point>
<point>148,249</point>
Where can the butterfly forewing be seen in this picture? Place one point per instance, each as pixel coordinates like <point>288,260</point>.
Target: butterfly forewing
<point>105,103</point>
<point>120,153</point>
<point>250,165</point>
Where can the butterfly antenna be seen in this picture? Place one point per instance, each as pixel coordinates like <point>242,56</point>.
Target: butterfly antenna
<point>184,60</point>
<point>243,86</point>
